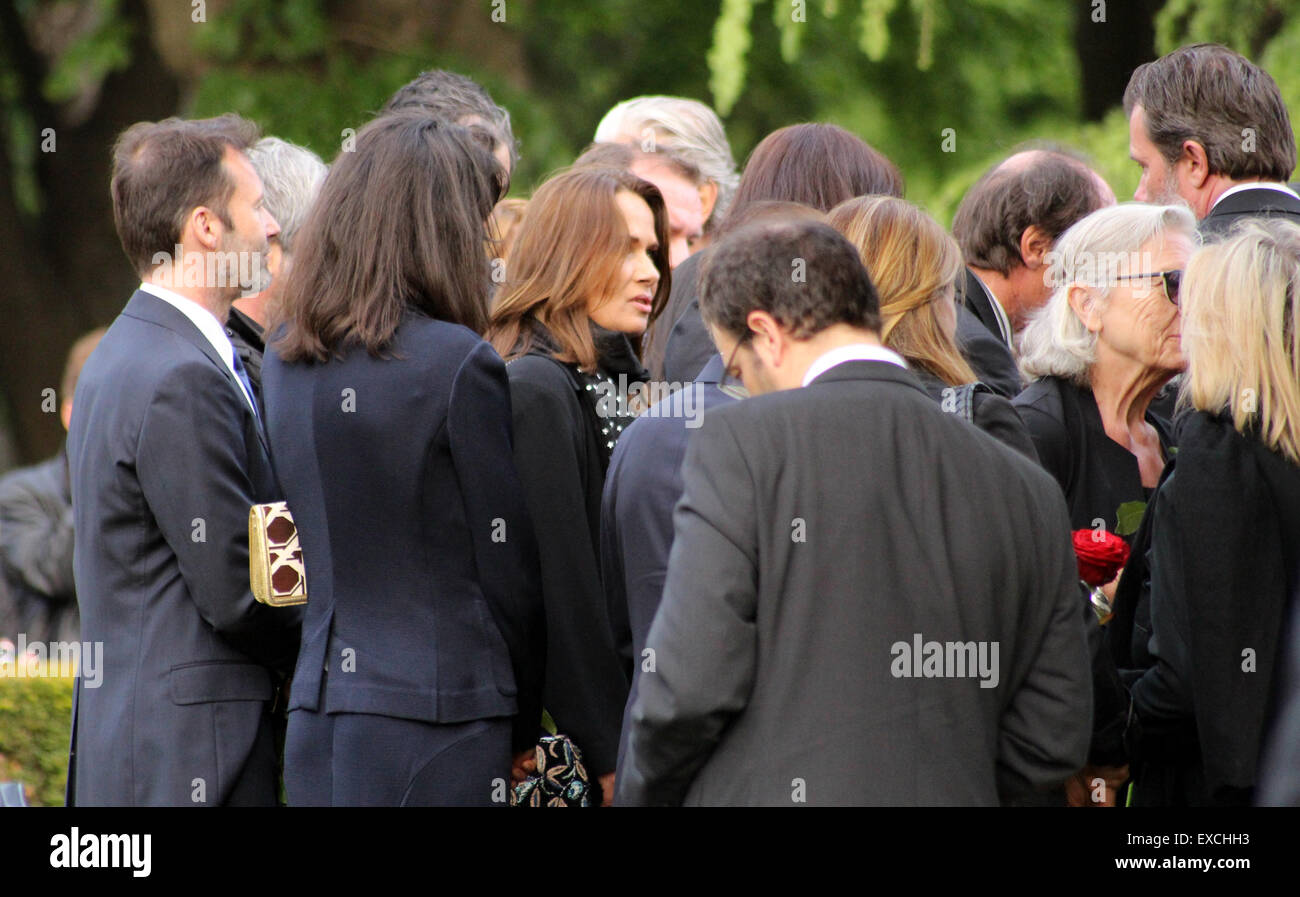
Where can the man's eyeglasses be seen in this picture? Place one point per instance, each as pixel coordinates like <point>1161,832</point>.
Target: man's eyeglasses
<point>1171,281</point>
<point>731,384</point>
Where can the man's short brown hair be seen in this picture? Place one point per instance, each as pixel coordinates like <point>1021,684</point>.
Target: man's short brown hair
<point>162,171</point>
<point>1052,192</point>
<point>1223,101</point>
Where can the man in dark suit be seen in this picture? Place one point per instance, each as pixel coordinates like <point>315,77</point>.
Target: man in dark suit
<point>1006,225</point>
<point>166,455</point>
<point>642,486</point>
<point>904,630</point>
<point>1210,128</point>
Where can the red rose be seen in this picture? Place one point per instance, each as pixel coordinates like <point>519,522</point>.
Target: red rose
<point>1101,555</point>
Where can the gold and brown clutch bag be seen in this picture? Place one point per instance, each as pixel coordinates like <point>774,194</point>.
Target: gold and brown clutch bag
<point>275,568</point>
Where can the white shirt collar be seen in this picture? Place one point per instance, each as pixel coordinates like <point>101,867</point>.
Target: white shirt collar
<point>1251,185</point>
<point>212,329</point>
<point>851,352</point>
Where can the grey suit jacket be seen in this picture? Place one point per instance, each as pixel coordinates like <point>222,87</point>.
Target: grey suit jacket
<point>822,533</point>
<point>166,458</point>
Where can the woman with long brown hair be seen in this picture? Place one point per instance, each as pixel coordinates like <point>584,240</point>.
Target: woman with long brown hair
<point>389,421</point>
<point>914,263</point>
<point>588,271</point>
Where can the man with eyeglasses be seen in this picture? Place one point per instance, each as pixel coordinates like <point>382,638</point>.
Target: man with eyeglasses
<point>857,609</point>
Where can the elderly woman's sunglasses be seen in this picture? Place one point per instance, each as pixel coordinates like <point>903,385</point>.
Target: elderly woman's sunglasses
<point>1170,280</point>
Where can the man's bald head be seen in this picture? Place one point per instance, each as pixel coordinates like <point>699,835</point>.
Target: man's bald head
<point>1037,188</point>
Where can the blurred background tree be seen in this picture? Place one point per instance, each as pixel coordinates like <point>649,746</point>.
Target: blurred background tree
<point>904,74</point>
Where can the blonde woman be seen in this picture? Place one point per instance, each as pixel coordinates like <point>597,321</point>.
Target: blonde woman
<point>1224,527</point>
<point>914,265</point>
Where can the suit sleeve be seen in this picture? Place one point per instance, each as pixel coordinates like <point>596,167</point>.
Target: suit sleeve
<point>35,544</point>
<point>612,573</point>
<point>704,638</point>
<point>586,686</point>
<point>505,547</point>
<point>192,465</point>
<point>1047,724</point>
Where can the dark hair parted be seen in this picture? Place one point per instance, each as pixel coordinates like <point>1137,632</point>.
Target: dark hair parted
<point>1212,95</point>
<point>399,224</point>
<point>803,273</point>
<point>454,98</point>
<point>817,165</point>
<point>164,170</point>
<point>1051,191</point>
<point>568,252</point>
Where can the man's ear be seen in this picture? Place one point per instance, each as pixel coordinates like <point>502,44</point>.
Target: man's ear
<point>1035,244</point>
<point>205,227</point>
<point>1083,302</point>
<point>1193,164</point>
<point>708,198</point>
<point>769,339</point>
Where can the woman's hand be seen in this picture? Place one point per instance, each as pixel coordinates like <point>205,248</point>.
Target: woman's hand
<point>522,766</point>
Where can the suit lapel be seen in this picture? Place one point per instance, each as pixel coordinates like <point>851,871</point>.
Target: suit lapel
<point>977,300</point>
<point>147,307</point>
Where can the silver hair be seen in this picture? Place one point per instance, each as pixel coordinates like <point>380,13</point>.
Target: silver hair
<point>291,176</point>
<point>1056,343</point>
<point>687,127</point>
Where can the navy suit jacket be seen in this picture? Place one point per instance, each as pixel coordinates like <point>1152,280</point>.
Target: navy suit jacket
<point>166,458</point>
<point>636,515</point>
<point>423,596</point>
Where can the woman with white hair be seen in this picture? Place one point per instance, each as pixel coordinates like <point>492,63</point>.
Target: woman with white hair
<point>1100,350</point>
<point>1224,527</point>
<point>1097,353</point>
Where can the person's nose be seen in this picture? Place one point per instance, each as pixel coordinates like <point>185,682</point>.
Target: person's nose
<point>272,226</point>
<point>648,275</point>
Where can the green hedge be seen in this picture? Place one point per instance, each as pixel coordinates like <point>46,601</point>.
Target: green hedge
<point>35,722</point>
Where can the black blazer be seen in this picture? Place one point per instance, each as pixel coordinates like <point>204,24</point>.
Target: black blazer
<point>1096,473</point>
<point>166,458</point>
<point>1097,476</point>
<point>1257,202</point>
<point>636,520</point>
<point>980,339</point>
<point>562,464</point>
<point>1224,571</point>
<point>420,557</point>
<point>792,580</point>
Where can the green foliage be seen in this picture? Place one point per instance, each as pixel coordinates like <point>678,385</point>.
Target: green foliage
<point>93,55</point>
<point>285,31</point>
<point>731,41</point>
<point>35,723</point>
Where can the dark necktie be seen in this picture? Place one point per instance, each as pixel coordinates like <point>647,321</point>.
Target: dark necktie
<point>248,385</point>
